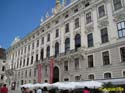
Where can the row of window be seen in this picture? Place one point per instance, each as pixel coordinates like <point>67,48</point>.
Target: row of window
<point>104,39</point>
<point>101,12</point>
<point>105,59</point>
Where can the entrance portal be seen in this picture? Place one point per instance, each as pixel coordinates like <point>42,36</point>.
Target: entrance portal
<point>56,74</point>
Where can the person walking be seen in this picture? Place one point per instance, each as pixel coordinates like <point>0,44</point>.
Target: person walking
<point>4,89</point>
<point>39,90</point>
<point>86,90</point>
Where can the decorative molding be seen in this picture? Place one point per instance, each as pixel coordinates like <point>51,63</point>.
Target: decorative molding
<point>119,17</point>
<point>103,24</point>
<point>89,29</point>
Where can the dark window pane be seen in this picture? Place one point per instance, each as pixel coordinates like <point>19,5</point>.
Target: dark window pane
<point>104,35</point>
<point>106,60</point>
<point>122,52</point>
<point>90,40</point>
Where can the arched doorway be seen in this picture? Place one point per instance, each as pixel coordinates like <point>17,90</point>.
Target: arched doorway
<point>56,74</point>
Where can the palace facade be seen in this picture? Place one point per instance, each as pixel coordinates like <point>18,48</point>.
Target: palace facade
<point>84,40</point>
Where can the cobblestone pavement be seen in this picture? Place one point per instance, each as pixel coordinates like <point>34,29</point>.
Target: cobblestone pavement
<point>14,91</point>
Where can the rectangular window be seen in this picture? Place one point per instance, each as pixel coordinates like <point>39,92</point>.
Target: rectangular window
<point>76,10</point>
<point>33,45</point>
<point>27,61</point>
<point>36,57</point>
<point>104,35</point>
<point>123,73</point>
<point>90,61</point>
<point>91,77</point>
<point>88,17</point>
<point>76,23</point>
<point>66,66</point>
<point>122,52</point>
<point>67,27</point>
<point>77,78</point>
<point>48,37</point>
<point>42,41</point>
<point>57,33</point>
<point>117,4</point>
<point>101,11</point>
<point>121,29</point>
<point>37,45</point>
<point>105,57</point>
<point>107,76</point>
<point>90,40</point>
<point>28,47</point>
<point>76,63</point>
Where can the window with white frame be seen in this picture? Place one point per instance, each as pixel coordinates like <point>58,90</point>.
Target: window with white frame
<point>105,57</point>
<point>48,37</point>
<point>67,28</point>
<point>117,4</point>
<point>77,78</point>
<point>88,17</point>
<point>104,35</point>
<point>122,53</point>
<point>42,41</point>
<point>90,61</point>
<point>101,11</point>
<point>37,44</point>
<point>123,73</point>
<point>107,75</point>
<point>90,40</point>
<point>76,23</point>
<point>66,66</point>
<point>121,29</point>
<point>32,60</point>
<point>91,76</point>
<point>57,33</point>
<point>76,63</point>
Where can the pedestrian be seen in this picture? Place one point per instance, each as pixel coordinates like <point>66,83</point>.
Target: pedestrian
<point>86,90</point>
<point>4,89</point>
<point>39,90</point>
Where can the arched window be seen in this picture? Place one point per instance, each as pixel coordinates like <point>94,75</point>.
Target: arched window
<point>67,44</point>
<point>77,41</point>
<point>56,49</point>
<point>48,51</point>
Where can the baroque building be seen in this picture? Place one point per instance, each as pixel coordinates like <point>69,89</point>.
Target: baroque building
<point>2,66</point>
<point>84,40</point>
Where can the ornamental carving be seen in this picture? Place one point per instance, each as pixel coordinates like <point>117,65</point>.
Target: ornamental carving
<point>119,17</point>
<point>89,29</point>
<point>103,24</point>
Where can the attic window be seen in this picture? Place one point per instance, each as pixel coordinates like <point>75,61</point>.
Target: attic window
<point>87,4</point>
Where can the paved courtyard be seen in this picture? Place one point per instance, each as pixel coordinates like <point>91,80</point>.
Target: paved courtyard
<point>14,91</point>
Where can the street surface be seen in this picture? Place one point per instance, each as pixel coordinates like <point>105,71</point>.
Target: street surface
<point>14,91</point>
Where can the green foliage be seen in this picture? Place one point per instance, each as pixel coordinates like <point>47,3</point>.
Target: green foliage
<point>108,85</point>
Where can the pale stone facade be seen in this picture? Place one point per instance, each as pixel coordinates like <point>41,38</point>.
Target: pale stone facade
<point>102,43</point>
<point>2,71</point>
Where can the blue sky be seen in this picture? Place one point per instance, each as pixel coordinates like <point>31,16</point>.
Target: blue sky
<point>20,17</point>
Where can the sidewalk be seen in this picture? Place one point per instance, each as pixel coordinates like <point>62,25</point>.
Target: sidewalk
<point>14,91</point>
